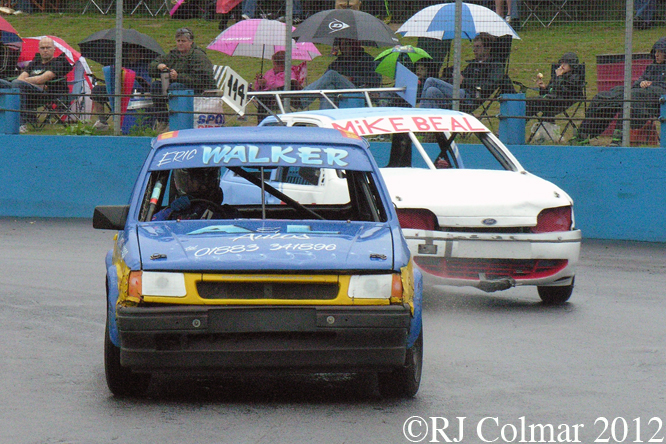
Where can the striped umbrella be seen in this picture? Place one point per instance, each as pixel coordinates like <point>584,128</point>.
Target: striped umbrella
<point>260,38</point>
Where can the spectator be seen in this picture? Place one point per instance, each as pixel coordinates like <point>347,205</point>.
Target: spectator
<point>41,80</point>
<point>250,10</point>
<point>99,92</point>
<point>187,66</point>
<point>566,87</point>
<point>348,4</point>
<point>480,78</point>
<point>353,68</point>
<point>273,80</point>
<point>499,9</point>
<point>645,95</point>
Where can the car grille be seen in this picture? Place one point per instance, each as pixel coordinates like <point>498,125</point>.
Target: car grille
<point>470,268</point>
<point>267,290</point>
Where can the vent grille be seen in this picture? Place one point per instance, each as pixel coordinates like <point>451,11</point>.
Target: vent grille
<point>470,268</point>
<point>267,290</point>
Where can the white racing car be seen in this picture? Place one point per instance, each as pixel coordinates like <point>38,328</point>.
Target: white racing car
<point>471,214</point>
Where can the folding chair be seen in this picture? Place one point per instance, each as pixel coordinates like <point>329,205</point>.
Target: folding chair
<point>58,107</point>
<point>546,11</point>
<point>97,5</point>
<point>567,107</point>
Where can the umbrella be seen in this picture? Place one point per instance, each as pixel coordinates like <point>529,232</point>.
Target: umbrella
<point>101,46</point>
<point>438,21</point>
<point>391,56</point>
<point>326,26</point>
<point>177,5</point>
<point>260,38</point>
<point>9,36</point>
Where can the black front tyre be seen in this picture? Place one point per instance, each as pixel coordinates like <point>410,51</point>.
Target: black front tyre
<point>556,295</point>
<point>122,381</point>
<point>405,381</point>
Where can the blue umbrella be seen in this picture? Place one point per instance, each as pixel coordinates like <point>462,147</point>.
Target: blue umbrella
<point>438,22</point>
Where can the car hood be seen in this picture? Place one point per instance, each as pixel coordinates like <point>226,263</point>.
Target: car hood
<point>250,245</point>
<point>467,198</point>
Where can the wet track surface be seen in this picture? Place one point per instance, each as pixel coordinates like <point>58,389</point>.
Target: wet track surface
<point>501,355</point>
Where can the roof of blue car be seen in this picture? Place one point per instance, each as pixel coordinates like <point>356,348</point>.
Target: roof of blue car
<point>268,134</point>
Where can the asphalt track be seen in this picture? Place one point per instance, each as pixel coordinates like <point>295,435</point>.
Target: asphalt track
<point>593,368</point>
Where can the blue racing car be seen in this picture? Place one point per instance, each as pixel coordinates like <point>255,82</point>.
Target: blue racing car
<point>201,281</point>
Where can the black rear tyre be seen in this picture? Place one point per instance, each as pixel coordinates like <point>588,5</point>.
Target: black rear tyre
<point>405,381</point>
<point>122,381</point>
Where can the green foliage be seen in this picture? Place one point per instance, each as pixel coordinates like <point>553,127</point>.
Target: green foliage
<point>79,129</point>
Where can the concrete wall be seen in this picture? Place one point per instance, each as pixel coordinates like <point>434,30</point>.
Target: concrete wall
<point>619,193</point>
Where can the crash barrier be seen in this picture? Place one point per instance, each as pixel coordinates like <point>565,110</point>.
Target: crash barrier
<point>619,192</point>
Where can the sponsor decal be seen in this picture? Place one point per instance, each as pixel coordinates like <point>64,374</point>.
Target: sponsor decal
<point>426,123</point>
<point>336,25</point>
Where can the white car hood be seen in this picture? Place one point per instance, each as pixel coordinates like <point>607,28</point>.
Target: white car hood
<point>466,198</point>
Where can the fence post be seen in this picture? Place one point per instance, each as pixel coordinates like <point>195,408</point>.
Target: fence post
<point>10,121</point>
<point>662,121</point>
<point>181,106</point>
<point>512,119</point>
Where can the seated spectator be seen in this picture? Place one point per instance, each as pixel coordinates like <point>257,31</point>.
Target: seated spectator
<point>566,87</point>
<point>645,95</point>
<point>273,80</point>
<point>186,66</point>
<point>480,78</point>
<point>41,80</point>
<point>99,94</point>
<point>353,68</point>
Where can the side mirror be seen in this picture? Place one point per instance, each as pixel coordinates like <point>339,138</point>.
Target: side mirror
<point>110,217</point>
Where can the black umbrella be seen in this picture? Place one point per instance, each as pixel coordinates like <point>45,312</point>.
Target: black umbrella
<point>326,26</point>
<point>101,46</point>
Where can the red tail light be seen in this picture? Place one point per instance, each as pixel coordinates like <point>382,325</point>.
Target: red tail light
<point>418,219</point>
<point>553,219</point>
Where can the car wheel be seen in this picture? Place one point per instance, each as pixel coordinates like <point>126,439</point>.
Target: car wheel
<point>405,381</point>
<point>556,295</point>
<point>122,381</point>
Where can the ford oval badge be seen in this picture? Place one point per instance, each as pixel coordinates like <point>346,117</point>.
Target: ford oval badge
<point>489,222</point>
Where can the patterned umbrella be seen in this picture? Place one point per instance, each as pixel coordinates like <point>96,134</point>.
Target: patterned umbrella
<point>326,26</point>
<point>438,22</point>
<point>260,38</point>
<point>9,36</point>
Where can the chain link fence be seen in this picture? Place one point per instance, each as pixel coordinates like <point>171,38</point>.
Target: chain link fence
<point>568,58</point>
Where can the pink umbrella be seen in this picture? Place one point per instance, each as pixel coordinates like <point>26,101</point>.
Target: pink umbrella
<point>260,38</point>
<point>175,7</point>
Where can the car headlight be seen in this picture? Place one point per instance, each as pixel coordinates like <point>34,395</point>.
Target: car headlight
<point>554,219</point>
<point>152,283</point>
<point>375,286</point>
